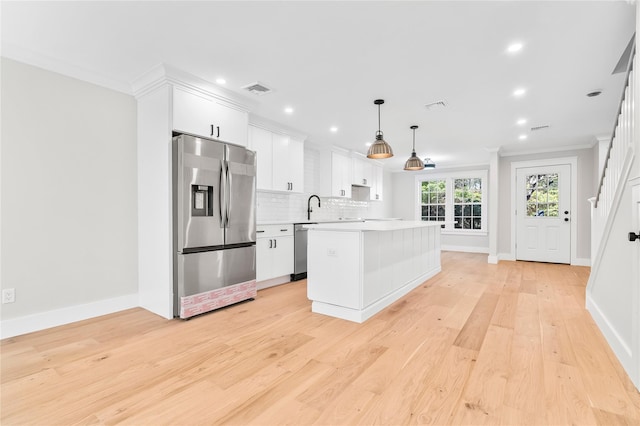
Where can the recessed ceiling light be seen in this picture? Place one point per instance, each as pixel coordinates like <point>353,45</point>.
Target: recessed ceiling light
<point>521,122</point>
<point>515,47</point>
<point>522,137</point>
<point>334,129</point>
<point>288,110</point>
<point>519,92</point>
<point>221,81</point>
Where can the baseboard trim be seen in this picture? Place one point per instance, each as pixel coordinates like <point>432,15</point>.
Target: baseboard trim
<point>492,260</point>
<point>43,320</point>
<point>465,249</point>
<point>261,285</point>
<point>506,256</point>
<point>620,348</point>
<point>581,261</point>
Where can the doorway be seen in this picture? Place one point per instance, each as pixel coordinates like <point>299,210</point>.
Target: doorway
<point>543,213</point>
<point>544,216</point>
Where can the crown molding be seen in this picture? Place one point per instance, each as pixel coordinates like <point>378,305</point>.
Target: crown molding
<point>162,74</point>
<point>39,60</point>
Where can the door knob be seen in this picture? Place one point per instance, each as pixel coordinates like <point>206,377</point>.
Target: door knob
<point>633,236</point>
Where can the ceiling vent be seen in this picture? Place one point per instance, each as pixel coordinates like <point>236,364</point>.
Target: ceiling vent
<point>257,88</point>
<point>437,104</point>
<point>545,126</point>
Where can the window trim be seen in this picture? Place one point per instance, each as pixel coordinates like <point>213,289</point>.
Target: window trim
<point>449,177</point>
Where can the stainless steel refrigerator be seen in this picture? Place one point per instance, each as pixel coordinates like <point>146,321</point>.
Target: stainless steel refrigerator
<point>214,224</point>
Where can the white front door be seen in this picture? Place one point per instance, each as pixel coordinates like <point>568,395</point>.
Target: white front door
<point>543,213</point>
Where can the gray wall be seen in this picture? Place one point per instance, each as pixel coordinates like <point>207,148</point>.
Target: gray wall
<point>69,195</point>
<point>403,186</point>
<point>585,187</point>
<point>404,200</point>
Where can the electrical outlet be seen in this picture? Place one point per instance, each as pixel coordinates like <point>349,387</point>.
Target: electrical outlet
<point>8,295</point>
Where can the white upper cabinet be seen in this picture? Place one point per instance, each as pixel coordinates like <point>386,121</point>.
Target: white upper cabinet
<point>280,160</point>
<point>261,142</point>
<point>201,115</point>
<point>340,175</point>
<point>377,182</point>
<point>362,171</point>
<point>288,164</point>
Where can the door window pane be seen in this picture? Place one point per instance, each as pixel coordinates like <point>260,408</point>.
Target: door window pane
<point>542,195</point>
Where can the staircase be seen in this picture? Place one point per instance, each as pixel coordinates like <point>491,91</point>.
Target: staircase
<point>617,163</point>
<point>612,296</point>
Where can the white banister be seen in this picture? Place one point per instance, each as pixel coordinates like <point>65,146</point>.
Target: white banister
<point>616,161</point>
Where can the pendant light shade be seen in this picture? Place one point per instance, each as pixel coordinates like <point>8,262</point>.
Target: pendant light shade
<point>414,163</point>
<point>379,149</point>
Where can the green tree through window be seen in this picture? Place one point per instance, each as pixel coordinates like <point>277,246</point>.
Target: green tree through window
<point>434,200</point>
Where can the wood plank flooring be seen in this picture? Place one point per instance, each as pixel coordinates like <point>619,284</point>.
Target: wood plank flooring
<point>477,344</point>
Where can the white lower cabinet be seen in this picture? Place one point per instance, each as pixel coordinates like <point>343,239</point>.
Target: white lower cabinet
<point>274,252</point>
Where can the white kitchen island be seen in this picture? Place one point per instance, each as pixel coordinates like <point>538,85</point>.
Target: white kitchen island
<point>355,270</point>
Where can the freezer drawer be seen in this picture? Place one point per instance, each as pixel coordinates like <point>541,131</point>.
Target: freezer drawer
<point>212,279</point>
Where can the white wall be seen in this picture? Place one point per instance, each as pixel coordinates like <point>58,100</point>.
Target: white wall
<point>585,187</point>
<point>69,190</point>
<point>613,292</point>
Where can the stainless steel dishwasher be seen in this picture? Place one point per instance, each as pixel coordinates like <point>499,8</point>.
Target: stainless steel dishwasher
<point>300,235</point>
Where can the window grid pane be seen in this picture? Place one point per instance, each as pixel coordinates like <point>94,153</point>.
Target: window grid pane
<point>433,200</point>
<point>542,195</point>
<point>467,205</point>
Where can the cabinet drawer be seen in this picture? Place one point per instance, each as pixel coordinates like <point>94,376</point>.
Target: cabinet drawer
<point>271,231</point>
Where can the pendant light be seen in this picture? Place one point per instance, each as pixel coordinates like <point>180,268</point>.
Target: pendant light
<point>414,163</point>
<point>379,149</point>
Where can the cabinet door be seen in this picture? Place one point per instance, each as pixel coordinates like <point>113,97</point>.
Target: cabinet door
<point>340,175</point>
<point>233,124</point>
<point>296,165</point>
<point>282,260</point>
<point>377,183</point>
<point>203,116</point>
<point>193,113</point>
<point>263,258</point>
<point>260,142</point>
<point>361,172</point>
<point>288,164</point>
<point>281,163</point>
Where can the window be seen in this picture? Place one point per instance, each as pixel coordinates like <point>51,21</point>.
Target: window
<point>458,199</point>
<point>433,200</point>
<point>467,203</point>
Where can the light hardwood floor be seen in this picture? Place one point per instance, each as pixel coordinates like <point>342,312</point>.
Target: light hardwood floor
<point>477,344</point>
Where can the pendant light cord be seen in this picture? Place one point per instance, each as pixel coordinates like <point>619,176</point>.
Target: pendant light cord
<point>414,140</point>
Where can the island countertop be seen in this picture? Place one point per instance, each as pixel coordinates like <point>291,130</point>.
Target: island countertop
<point>390,225</point>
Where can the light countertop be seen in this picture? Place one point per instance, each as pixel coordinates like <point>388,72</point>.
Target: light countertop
<point>303,221</point>
<point>382,225</point>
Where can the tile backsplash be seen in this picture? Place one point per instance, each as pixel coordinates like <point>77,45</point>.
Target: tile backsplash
<point>276,206</point>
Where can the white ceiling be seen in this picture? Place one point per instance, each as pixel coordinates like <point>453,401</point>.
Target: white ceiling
<point>330,60</point>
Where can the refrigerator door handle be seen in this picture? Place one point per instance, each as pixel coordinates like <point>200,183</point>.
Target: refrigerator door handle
<point>223,195</point>
<point>229,187</point>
